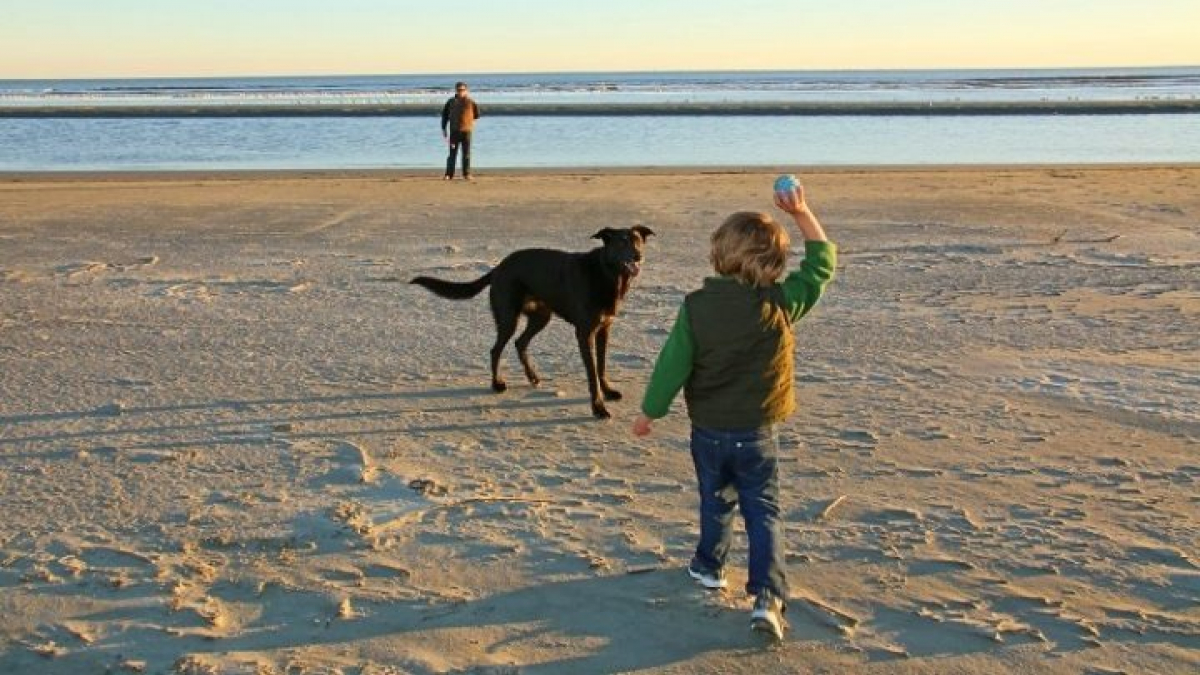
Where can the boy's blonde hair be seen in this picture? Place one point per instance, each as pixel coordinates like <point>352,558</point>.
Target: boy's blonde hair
<point>751,247</point>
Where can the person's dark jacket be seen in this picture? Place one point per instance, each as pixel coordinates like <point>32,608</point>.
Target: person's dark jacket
<point>459,114</point>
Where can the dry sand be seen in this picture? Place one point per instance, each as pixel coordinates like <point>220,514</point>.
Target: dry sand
<point>233,440</point>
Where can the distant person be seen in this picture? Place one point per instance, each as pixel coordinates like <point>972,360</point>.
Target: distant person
<point>458,122</point>
<point>730,350</point>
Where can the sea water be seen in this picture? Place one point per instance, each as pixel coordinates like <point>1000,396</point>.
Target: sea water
<point>92,142</point>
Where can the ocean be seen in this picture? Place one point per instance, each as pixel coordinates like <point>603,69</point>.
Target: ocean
<point>710,119</point>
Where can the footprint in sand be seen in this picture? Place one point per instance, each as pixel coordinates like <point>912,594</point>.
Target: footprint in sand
<point>83,268</point>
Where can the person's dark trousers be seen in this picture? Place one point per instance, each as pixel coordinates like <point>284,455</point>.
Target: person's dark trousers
<point>459,138</point>
<point>740,468</point>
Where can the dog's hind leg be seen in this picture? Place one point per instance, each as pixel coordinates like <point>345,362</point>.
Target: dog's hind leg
<point>536,321</point>
<point>610,394</point>
<point>506,317</point>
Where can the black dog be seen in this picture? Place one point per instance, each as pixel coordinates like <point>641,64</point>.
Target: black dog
<point>584,289</point>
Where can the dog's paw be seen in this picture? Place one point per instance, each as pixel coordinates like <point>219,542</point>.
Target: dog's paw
<point>600,412</point>
<point>499,386</point>
<point>612,395</point>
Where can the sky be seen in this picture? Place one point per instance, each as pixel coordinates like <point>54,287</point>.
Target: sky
<point>170,38</point>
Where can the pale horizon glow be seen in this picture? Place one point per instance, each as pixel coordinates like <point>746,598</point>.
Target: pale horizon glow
<point>64,39</point>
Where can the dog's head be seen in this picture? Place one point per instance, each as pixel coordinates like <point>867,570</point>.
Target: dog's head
<point>623,247</point>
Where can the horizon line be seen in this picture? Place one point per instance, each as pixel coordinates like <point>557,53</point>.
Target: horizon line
<point>462,74</point>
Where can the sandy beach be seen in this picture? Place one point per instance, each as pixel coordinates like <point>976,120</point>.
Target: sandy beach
<point>233,439</point>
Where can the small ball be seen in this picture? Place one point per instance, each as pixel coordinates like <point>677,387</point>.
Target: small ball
<point>786,183</point>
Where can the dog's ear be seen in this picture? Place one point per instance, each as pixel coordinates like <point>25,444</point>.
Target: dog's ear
<point>604,234</point>
<point>642,230</point>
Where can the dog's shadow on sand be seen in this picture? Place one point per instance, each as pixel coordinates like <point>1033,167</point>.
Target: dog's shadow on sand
<point>114,410</point>
<point>297,416</point>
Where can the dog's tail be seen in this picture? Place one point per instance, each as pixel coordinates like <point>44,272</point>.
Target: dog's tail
<point>454,290</point>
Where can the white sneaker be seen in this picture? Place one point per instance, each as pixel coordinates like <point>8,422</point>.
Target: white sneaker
<point>710,580</point>
<point>767,616</point>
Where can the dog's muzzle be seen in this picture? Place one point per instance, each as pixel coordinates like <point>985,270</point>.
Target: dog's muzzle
<point>633,267</point>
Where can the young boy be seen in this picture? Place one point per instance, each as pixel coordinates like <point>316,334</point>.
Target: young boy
<point>731,352</point>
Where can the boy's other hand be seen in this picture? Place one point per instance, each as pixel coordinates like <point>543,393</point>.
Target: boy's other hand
<point>641,426</point>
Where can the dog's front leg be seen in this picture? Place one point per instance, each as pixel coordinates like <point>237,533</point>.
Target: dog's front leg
<point>610,394</point>
<point>587,342</point>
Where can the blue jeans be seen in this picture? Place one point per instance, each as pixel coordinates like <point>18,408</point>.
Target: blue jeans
<point>740,467</point>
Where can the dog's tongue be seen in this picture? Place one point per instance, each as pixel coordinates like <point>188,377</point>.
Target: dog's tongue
<point>633,268</point>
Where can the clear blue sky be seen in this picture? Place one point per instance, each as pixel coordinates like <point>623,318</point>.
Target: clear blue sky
<point>136,38</point>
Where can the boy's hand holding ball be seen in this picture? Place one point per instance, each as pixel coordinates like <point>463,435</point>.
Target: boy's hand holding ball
<point>789,194</point>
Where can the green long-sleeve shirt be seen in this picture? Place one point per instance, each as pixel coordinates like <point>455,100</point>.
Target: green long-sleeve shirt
<point>800,291</point>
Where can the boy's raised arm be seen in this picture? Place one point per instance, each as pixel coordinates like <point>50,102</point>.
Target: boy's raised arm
<point>804,287</point>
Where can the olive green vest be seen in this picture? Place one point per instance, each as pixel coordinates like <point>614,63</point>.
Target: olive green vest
<point>742,368</point>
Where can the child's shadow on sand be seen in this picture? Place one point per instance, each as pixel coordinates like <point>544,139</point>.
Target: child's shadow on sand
<point>617,623</point>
